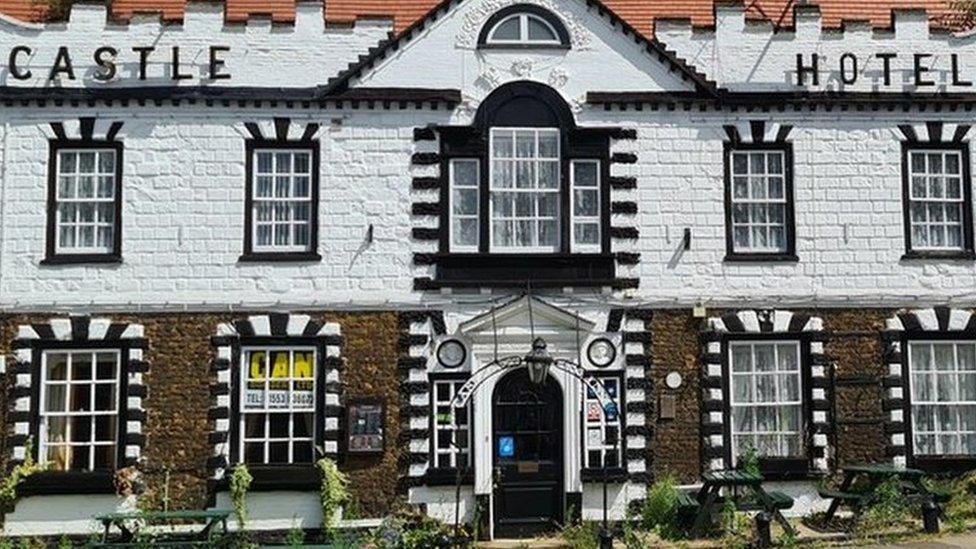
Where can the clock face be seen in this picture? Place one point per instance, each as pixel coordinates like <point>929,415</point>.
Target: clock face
<point>451,353</point>
<point>602,352</point>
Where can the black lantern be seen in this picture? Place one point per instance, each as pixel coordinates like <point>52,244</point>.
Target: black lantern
<point>538,362</point>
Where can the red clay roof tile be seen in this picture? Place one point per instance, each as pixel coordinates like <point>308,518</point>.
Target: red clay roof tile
<point>639,13</point>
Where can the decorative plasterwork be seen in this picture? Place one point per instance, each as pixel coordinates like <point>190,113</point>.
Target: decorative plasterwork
<point>475,19</point>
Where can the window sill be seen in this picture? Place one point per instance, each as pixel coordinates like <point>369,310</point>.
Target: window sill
<point>596,474</point>
<point>284,257</point>
<point>761,258</point>
<point>82,259</point>
<point>523,47</point>
<point>448,477</point>
<point>506,270</point>
<point>68,483</point>
<point>272,478</point>
<point>939,255</point>
<point>944,464</point>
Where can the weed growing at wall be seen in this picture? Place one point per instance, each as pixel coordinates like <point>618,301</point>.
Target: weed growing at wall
<point>240,482</point>
<point>960,511</point>
<point>659,513</point>
<point>333,493</point>
<point>887,510</point>
<point>9,483</point>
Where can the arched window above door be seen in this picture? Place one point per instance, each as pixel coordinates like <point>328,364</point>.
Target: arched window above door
<point>524,26</point>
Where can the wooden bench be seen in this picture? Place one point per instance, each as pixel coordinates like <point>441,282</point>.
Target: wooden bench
<point>202,528</point>
<point>846,497</point>
<point>687,502</point>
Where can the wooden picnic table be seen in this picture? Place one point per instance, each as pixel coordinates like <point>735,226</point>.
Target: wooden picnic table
<point>910,481</point>
<point>213,527</point>
<point>746,491</point>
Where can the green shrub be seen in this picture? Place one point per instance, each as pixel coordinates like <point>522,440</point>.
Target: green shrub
<point>660,510</point>
<point>409,529</point>
<point>580,534</point>
<point>960,511</point>
<point>749,462</point>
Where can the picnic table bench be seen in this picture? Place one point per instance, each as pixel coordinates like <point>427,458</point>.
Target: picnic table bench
<point>743,488</point>
<point>211,528</point>
<point>910,482</point>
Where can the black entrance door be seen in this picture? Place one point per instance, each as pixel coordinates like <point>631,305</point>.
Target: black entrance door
<point>528,455</point>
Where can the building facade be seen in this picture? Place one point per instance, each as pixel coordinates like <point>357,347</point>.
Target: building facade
<point>266,244</point>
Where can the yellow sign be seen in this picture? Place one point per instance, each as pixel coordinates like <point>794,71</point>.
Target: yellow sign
<point>303,367</point>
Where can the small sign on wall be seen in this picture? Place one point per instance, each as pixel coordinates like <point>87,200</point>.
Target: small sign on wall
<point>365,419</point>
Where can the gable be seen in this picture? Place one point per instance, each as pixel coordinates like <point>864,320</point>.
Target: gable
<point>519,314</point>
<point>441,52</point>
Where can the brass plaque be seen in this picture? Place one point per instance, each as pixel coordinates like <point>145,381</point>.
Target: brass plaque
<point>668,407</point>
<point>528,467</point>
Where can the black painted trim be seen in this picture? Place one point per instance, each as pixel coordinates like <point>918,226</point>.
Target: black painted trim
<point>52,256</point>
<point>731,255</point>
<point>249,255</point>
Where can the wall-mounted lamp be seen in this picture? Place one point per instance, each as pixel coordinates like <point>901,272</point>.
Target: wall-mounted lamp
<point>369,234</point>
<point>686,242</point>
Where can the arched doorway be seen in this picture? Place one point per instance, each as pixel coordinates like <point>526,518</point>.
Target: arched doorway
<point>527,443</point>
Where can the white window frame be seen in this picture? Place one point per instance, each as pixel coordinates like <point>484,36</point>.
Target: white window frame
<point>256,246</point>
<point>43,415</point>
<point>267,410</point>
<point>768,202</point>
<point>954,405</point>
<point>96,223</point>
<point>523,38</point>
<point>598,219</point>
<point>557,191</point>
<point>603,447</point>
<point>733,432</point>
<point>453,216</point>
<point>945,201</point>
<point>450,452</point>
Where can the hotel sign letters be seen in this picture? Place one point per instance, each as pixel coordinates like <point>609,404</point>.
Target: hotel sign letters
<point>106,61</point>
<point>920,70</point>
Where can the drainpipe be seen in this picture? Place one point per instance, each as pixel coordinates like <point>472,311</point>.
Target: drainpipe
<point>3,202</point>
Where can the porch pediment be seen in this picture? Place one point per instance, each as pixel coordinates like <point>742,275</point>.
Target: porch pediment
<point>523,316</point>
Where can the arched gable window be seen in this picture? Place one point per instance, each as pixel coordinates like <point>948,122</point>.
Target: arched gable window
<point>525,186</point>
<point>524,26</point>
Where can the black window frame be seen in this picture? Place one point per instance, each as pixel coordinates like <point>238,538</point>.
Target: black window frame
<point>448,476</point>
<point>52,255</point>
<point>775,468</point>
<point>928,463</point>
<point>618,473</point>
<point>269,477</point>
<point>531,9</point>
<point>98,481</point>
<point>249,255</point>
<point>969,251</point>
<point>507,107</point>
<point>788,255</point>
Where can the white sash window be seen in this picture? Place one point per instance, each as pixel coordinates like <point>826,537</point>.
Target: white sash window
<point>943,397</point>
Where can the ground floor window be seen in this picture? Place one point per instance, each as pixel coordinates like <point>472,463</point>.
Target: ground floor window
<point>766,405</point>
<point>277,418</point>
<point>79,410</point>
<point>452,431</point>
<point>943,397</point>
<point>600,432</point>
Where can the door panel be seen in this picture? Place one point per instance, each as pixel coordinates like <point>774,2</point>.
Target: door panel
<point>528,455</point>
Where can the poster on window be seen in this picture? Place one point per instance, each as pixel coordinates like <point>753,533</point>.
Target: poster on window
<point>593,411</point>
<point>365,427</point>
<point>280,380</point>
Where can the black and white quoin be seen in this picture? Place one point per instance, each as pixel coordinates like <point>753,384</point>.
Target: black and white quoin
<point>33,339</point>
<point>716,447</point>
<point>228,351</point>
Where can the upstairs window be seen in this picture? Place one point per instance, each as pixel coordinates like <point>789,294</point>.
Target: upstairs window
<point>759,203</point>
<point>85,203</point>
<point>282,202</point>
<point>525,189</point>
<point>938,219</point>
<point>525,26</point>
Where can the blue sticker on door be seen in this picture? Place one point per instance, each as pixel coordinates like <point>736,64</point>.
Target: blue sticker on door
<point>506,447</point>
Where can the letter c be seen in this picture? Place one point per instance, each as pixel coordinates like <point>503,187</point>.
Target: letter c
<point>12,63</point>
